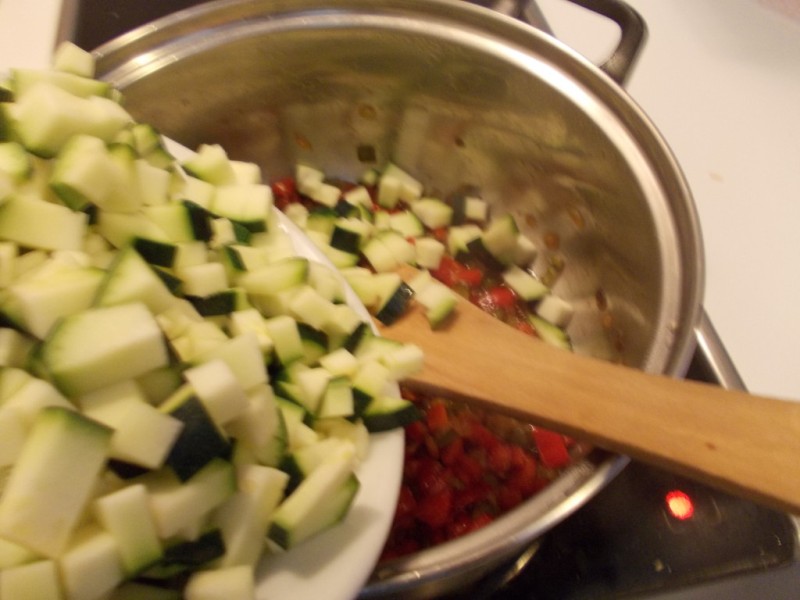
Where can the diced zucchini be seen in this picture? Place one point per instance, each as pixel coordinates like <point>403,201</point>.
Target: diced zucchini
<point>428,252</point>
<point>181,557</point>
<point>433,212</point>
<point>13,431</point>
<point>211,164</point>
<point>389,412</point>
<point>339,362</point>
<point>349,234</point>
<point>275,277</point>
<point>404,361</point>
<point>346,322</point>
<point>337,400</point>
<point>260,427</point>
<point>500,238</point>
<point>524,284</point>
<point>15,162</point>
<point>398,246</point>
<point>244,203</point>
<point>438,300</point>
<point>200,440</point>
<point>97,347</point>
<point>129,279</point>
<point>61,459</point>
<point>525,251</point>
<point>37,224</point>
<point>119,229</point>
<point>90,567</point>
<point>221,584</point>
<point>358,196</point>
<point>22,80</point>
<point>555,310</point>
<point>41,301</point>
<point>322,220</point>
<point>407,224</point>
<point>242,354</point>
<point>181,221</point>
<point>315,343</point>
<point>310,307</point>
<point>380,256</point>
<point>369,382</point>
<point>203,279</point>
<point>286,338</point>
<point>459,237</point>
<point>394,296</point>
<point>46,117</point>
<point>142,435</point>
<point>71,58</point>
<point>550,333</point>
<point>300,463</point>
<point>86,172</point>
<point>176,505</point>
<point>31,397</point>
<point>218,388</point>
<point>469,208</point>
<point>319,502</point>
<point>36,580</point>
<point>395,184</point>
<point>125,514</point>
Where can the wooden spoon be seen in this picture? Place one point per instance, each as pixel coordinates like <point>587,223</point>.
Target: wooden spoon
<point>739,442</point>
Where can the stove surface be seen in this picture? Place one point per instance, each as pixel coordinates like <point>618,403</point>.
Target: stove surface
<point>627,543</point>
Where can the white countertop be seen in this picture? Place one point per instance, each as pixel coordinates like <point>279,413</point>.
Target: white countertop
<point>721,80</point>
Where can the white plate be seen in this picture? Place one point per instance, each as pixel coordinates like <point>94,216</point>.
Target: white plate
<point>336,564</point>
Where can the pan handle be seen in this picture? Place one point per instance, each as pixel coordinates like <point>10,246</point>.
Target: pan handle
<point>711,361</point>
<point>633,32</point>
<point>633,29</point>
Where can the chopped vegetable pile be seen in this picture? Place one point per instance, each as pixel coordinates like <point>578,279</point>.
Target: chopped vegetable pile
<point>463,467</point>
<point>180,393</point>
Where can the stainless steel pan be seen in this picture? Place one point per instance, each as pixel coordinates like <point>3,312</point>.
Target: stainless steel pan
<point>458,95</point>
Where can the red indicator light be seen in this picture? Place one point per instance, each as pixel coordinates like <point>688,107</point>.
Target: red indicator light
<point>680,505</point>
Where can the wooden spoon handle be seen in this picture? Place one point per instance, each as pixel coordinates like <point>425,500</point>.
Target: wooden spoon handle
<point>739,442</point>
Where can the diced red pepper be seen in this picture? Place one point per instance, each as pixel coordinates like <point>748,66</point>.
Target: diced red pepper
<point>434,510</point>
<point>452,273</point>
<point>500,458</point>
<point>468,470</point>
<point>452,452</point>
<point>430,477</point>
<point>508,497</point>
<point>468,497</point>
<point>436,416</point>
<point>470,276</point>
<point>552,448</point>
<point>440,233</point>
<point>502,296</point>
<point>481,435</point>
<point>284,192</point>
<point>415,431</point>
<point>465,524</point>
